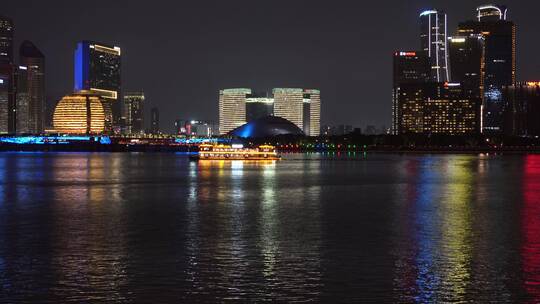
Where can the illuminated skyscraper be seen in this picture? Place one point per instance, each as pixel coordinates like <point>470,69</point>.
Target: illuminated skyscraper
<point>499,60</point>
<point>409,67</point>
<point>433,34</point>
<point>32,119</point>
<point>491,12</point>
<point>7,77</point>
<point>22,110</point>
<point>467,60</point>
<point>288,104</point>
<point>80,113</point>
<point>6,40</point>
<point>232,109</point>
<point>134,112</point>
<point>97,69</point>
<point>7,98</point>
<point>312,112</point>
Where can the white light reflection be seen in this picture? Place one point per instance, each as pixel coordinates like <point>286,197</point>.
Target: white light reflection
<point>269,225</point>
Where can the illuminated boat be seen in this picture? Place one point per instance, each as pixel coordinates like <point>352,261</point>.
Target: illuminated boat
<point>236,152</point>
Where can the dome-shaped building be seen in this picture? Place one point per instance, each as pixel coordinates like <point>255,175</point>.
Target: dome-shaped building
<point>81,113</point>
<point>267,127</point>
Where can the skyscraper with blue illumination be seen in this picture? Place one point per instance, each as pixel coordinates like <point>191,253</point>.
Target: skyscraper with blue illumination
<point>499,62</point>
<point>97,69</point>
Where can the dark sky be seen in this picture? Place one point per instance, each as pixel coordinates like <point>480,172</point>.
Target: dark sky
<point>182,52</point>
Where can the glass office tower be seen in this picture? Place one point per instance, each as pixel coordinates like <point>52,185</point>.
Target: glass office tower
<point>97,69</point>
<point>433,37</point>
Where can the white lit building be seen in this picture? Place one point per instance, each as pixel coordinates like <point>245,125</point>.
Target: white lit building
<point>232,109</point>
<point>299,106</point>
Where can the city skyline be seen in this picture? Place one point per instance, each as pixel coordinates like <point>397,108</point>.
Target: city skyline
<point>327,59</point>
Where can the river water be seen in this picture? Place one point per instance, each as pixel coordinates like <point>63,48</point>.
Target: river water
<point>153,228</point>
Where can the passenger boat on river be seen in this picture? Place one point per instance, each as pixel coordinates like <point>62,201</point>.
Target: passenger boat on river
<point>236,152</point>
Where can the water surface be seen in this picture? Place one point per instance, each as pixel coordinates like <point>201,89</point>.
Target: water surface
<point>143,227</point>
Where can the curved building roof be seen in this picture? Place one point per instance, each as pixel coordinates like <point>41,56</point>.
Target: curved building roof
<point>491,12</point>
<point>267,127</point>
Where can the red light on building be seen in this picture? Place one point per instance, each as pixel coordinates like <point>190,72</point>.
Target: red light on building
<point>407,54</point>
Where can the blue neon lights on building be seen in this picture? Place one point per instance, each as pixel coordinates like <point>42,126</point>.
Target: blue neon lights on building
<point>82,59</point>
<point>54,140</point>
<point>200,140</point>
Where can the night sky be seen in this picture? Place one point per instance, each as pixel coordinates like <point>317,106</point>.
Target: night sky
<point>182,52</point>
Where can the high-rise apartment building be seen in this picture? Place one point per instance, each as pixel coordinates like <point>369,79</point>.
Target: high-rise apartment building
<point>311,115</point>
<point>288,104</point>
<point>33,117</point>
<point>232,109</point>
<point>499,60</point>
<point>97,69</point>
<point>433,38</point>
<point>134,112</point>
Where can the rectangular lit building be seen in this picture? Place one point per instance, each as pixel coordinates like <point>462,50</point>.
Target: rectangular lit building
<point>410,67</point>
<point>134,112</point>
<point>34,61</point>
<point>437,108</point>
<point>97,69</point>
<point>302,107</point>
<point>232,109</point>
<point>23,103</point>
<point>467,62</point>
<point>312,112</point>
<point>6,40</point>
<point>289,104</point>
<point>7,99</point>
<point>7,77</point>
<point>499,61</point>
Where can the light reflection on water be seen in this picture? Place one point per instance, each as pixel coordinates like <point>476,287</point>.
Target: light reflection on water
<point>78,227</point>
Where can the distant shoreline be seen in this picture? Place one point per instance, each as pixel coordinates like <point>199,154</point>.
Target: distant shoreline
<point>117,148</point>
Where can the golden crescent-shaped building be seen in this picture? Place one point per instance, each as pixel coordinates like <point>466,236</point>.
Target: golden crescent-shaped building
<point>81,113</point>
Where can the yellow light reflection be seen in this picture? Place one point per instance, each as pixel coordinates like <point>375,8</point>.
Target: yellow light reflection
<point>456,226</point>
